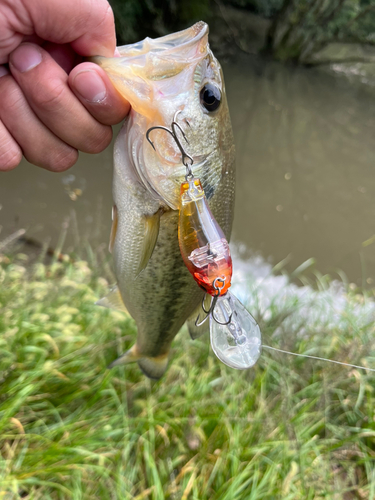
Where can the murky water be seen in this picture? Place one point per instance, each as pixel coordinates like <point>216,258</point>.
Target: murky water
<point>306,175</point>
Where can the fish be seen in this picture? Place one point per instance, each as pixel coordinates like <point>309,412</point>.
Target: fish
<point>172,77</point>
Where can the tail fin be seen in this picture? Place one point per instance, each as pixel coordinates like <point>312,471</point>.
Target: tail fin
<point>151,367</point>
<point>154,367</point>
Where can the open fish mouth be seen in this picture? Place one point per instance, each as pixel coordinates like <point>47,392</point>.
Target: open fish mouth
<point>177,45</point>
<point>160,77</point>
<point>154,60</point>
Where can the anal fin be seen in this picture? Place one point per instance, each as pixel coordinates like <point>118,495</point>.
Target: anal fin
<point>113,300</point>
<point>129,356</point>
<point>152,367</point>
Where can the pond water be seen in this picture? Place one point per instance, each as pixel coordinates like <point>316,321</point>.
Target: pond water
<point>305,183</point>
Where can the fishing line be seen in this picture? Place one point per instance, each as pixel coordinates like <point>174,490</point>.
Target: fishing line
<point>318,358</point>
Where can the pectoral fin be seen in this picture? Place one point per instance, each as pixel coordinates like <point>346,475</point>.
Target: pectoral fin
<point>151,228</point>
<point>197,331</point>
<point>113,300</point>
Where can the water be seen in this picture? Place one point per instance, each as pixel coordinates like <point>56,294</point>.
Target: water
<point>305,184</point>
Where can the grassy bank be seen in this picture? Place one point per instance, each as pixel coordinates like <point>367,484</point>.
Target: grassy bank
<point>290,428</point>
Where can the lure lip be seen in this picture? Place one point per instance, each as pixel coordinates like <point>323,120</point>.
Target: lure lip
<point>251,350</point>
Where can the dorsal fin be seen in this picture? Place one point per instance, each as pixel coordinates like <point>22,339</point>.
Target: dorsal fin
<point>113,300</point>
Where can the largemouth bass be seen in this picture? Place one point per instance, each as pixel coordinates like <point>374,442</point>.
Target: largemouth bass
<point>159,77</point>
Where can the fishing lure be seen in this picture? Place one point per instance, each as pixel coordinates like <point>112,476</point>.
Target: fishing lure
<point>235,335</point>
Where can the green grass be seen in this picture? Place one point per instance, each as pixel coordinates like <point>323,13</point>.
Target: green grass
<point>290,428</point>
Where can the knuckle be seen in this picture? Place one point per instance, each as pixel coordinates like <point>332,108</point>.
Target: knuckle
<point>109,16</point>
<point>51,95</point>
<point>12,98</point>
<point>107,19</point>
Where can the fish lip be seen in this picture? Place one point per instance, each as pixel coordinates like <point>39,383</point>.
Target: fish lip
<point>167,44</point>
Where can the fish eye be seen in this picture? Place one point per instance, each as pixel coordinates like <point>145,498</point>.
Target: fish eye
<point>210,96</point>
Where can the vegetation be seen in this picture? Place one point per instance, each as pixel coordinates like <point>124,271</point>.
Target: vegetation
<point>303,27</point>
<point>290,428</point>
<point>136,19</point>
<point>299,28</point>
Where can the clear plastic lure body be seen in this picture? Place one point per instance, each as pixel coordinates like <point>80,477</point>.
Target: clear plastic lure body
<point>202,242</point>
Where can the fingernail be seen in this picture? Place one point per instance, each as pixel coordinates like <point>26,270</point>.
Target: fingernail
<point>26,57</point>
<point>3,71</point>
<point>117,53</point>
<point>89,84</point>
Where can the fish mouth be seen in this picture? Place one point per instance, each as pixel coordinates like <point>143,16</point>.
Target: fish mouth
<point>144,66</point>
<point>175,44</point>
<point>151,75</point>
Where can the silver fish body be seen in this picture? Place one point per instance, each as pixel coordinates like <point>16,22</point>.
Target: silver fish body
<point>160,77</point>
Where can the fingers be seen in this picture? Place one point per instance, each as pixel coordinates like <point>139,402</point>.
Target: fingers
<point>10,152</point>
<point>64,55</point>
<point>90,30</point>
<point>47,115</point>
<point>45,86</point>
<point>22,127</point>
<point>95,91</point>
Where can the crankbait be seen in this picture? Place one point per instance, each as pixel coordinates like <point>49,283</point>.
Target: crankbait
<point>235,335</point>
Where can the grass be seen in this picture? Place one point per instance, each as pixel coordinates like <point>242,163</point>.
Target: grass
<point>290,428</point>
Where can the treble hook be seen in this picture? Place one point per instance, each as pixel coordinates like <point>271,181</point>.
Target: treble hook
<point>211,310</point>
<point>174,125</point>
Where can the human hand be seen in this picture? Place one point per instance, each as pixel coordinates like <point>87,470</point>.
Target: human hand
<point>51,103</point>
